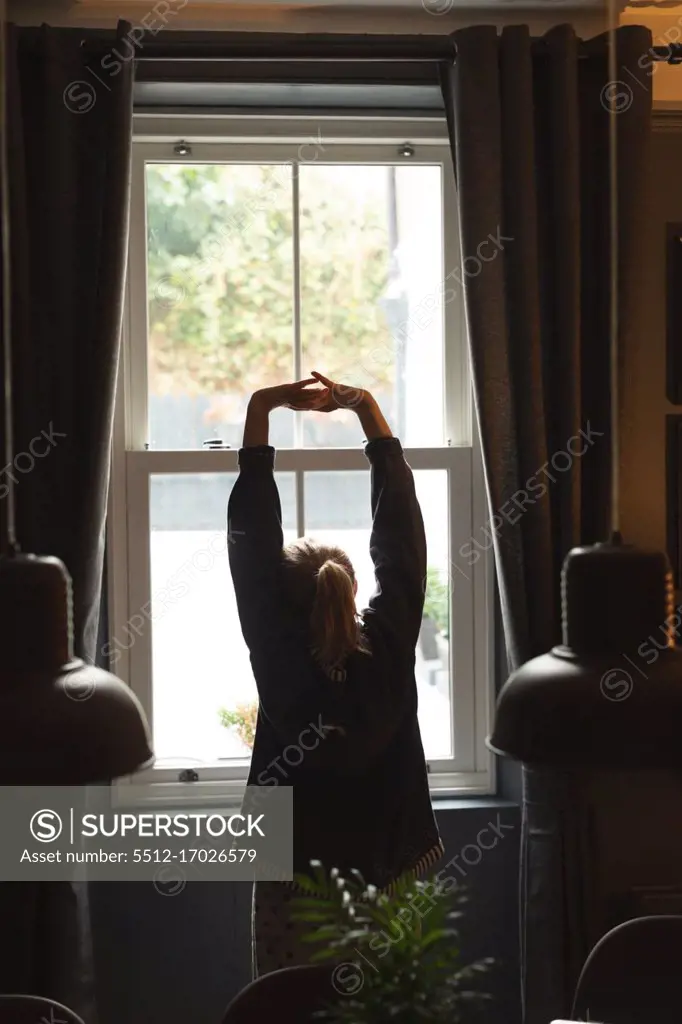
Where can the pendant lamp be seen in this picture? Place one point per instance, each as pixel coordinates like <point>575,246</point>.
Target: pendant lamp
<point>62,722</point>
<point>609,696</point>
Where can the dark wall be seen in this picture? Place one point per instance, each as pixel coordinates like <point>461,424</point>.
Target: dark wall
<point>643,380</point>
<point>174,959</point>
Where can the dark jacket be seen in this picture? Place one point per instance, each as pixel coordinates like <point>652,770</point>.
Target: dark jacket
<point>352,751</point>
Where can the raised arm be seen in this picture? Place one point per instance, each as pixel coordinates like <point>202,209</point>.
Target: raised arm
<point>397,542</point>
<point>255,539</point>
<point>254,519</point>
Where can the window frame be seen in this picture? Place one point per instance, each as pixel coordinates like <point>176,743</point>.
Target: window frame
<point>375,140</point>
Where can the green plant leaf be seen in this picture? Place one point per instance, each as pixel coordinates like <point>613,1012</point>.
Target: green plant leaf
<point>310,915</point>
<point>437,935</point>
<point>321,955</point>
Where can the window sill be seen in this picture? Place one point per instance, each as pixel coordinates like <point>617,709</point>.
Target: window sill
<point>470,803</point>
<point>440,806</point>
<point>451,792</point>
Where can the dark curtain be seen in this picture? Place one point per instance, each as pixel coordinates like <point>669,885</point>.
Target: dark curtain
<point>70,133</point>
<point>529,127</point>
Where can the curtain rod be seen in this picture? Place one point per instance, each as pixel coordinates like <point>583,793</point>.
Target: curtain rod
<point>267,46</point>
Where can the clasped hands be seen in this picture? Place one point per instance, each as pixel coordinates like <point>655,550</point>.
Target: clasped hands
<point>301,396</point>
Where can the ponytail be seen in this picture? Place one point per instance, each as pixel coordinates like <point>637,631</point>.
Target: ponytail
<point>320,580</point>
<point>334,625</point>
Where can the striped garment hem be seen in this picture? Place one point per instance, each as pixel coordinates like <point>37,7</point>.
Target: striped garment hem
<point>419,869</point>
<point>416,871</point>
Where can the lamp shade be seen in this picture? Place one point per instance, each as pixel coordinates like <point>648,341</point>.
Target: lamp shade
<point>610,696</point>
<point>62,722</point>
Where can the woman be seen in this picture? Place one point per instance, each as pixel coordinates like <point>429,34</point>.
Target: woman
<point>336,688</point>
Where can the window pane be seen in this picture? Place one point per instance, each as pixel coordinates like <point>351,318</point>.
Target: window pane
<point>220,298</point>
<point>371,295</point>
<point>200,663</point>
<point>337,510</point>
<point>204,694</point>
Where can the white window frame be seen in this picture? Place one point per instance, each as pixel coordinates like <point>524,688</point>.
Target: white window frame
<point>345,140</point>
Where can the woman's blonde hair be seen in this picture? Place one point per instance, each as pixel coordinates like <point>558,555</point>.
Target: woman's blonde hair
<point>321,581</point>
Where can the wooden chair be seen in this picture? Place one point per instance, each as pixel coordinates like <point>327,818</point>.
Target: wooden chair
<point>16,1009</point>
<point>634,974</point>
<point>289,996</point>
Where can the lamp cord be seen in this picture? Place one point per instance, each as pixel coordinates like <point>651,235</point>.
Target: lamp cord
<point>9,539</point>
<point>614,277</point>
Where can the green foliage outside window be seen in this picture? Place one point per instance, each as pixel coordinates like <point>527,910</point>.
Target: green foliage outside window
<point>220,278</point>
<point>437,600</point>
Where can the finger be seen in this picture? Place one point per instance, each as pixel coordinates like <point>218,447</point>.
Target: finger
<point>321,403</point>
<point>304,383</point>
<point>324,380</point>
<point>310,393</point>
<point>310,399</point>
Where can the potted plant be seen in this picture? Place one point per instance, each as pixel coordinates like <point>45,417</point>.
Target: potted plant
<point>435,617</point>
<point>243,718</point>
<point>400,952</point>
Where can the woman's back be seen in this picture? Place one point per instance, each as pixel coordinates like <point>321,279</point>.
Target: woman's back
<point>344,735</point>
